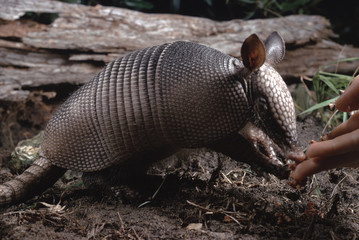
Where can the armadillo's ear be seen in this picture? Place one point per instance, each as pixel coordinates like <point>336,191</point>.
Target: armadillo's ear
<point>275,48</point>
<point>253,52</point>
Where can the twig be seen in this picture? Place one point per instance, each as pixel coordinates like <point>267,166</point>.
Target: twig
<point>120,218</point>
<point>134,231</point>
<point>213,211</point>
<point>226,178</point>
<point>302,78</point>
<point>242,180</point>
<point>235,220</point>
<point>336,186</point>
<point>329,120</point>
<point>198,206</point>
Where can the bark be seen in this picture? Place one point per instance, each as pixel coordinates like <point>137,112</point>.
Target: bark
<point>82,39</point>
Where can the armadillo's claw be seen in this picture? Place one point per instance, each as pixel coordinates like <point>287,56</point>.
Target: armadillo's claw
<point>263,145</point>
<point>260,156</point>
<point>296,154</point>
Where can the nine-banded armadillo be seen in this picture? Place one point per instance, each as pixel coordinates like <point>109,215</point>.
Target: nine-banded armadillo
<point>171,96</point>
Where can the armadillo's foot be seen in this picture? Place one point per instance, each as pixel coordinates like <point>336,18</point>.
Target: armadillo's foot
<point>105,187</point>
<point>264,157</point>
<point>125,183</point>
<point>263,145</point>
<point>115,175</point>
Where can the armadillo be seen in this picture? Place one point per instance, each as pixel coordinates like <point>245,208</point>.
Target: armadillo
<point>172,96</point>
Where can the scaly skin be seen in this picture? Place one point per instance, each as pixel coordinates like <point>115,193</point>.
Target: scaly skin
<point>172,96</point>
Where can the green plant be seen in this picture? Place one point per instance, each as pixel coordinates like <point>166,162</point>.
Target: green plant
<point>44,18</point>
<point>134,4</point>
<point>327,87</point>
<point>274,7</point>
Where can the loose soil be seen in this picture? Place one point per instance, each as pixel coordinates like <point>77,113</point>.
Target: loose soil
<point>204,196</point>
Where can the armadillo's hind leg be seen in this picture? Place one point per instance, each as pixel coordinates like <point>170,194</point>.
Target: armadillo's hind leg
<point>34,180</point>
<point>124,174</point>
<point>123,182</point>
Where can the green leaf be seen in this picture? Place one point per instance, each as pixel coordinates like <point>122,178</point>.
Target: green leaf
<point>209,2</point>
<point>341,60</point>
<point>336,75</point>
<point>329,84</point>
<point>139,4</point>
<point>319,105</point>
<point>292,6</point>
<point>248,1</point>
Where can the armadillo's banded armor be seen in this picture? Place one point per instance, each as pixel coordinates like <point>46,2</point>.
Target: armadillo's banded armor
<point>181,94</point>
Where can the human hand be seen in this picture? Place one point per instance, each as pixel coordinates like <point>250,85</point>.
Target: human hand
<point>340,148</point>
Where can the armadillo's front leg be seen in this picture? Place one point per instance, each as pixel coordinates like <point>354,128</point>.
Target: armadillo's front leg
<point>240,149</point>
<point>262,144</point>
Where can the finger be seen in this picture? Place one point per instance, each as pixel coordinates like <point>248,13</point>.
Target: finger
<point>349,100</point>
<point>315,165</point>
<point>348,142</point>
<point>305,169</point>
<point>348,126</point>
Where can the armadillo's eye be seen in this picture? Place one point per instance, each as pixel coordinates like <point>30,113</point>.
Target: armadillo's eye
<point>263,103</point>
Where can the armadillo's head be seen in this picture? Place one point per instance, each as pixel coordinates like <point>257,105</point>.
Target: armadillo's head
<point>273,108</point>
<point>267,93</point>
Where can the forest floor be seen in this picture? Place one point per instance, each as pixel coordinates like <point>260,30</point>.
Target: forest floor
<point>204,196</point>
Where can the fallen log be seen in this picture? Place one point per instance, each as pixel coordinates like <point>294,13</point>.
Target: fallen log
<point>82,39</point>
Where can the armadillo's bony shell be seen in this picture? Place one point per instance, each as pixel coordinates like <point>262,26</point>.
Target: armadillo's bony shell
<point>182,94</point>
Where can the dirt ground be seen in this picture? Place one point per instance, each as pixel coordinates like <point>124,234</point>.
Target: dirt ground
<point>199,198</point>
